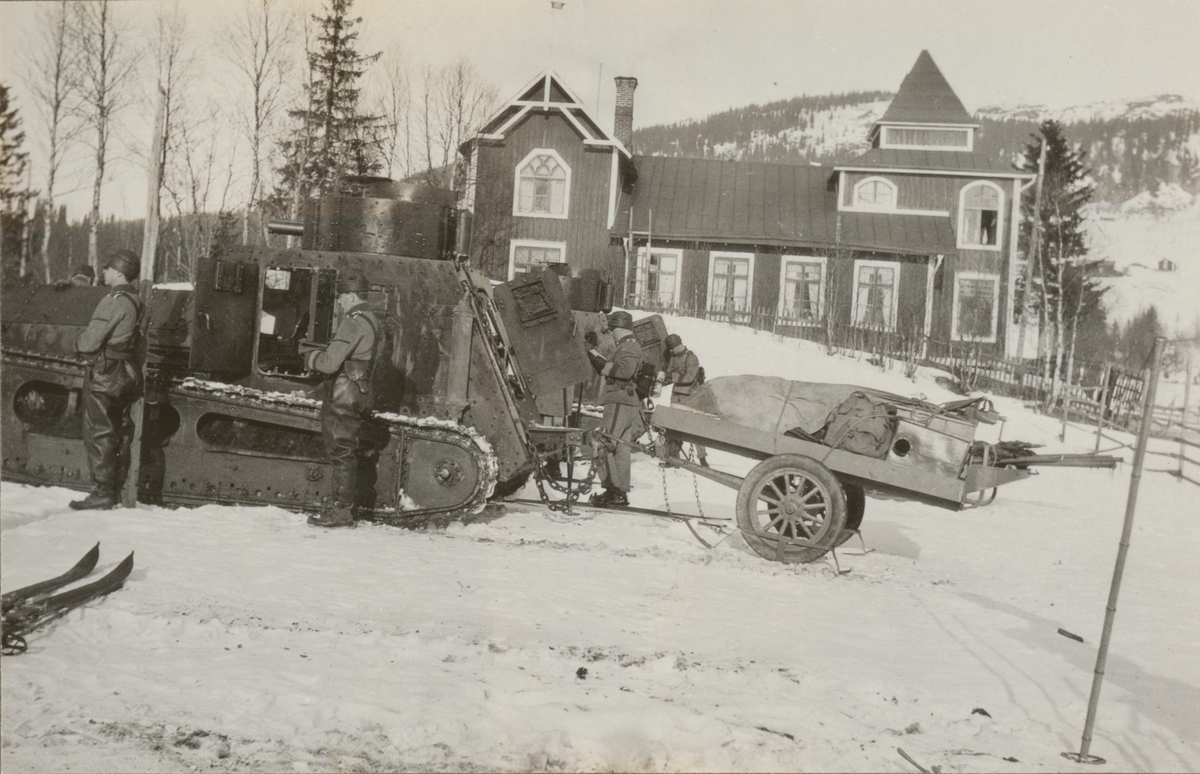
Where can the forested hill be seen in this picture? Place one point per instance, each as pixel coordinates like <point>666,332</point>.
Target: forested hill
<point>1132,146</point>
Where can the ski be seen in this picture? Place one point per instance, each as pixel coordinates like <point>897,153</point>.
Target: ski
<point>82,569</point>
<point>33,614</point>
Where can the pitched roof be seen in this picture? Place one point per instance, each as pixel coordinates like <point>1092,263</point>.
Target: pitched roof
<point>926,98</point>
<point>545,93</point>
<point>755,203</point>
<point>932,161</point>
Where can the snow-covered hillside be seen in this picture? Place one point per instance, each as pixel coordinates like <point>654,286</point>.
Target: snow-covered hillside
<point>1137,237</point>
<point>534,641</point>
<point>1135,108</point>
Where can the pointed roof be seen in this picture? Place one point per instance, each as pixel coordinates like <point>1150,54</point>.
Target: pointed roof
<point>926,98</point>
<point>547,93</point>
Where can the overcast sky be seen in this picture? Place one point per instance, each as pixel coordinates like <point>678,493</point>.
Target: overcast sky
<point>696,57</point>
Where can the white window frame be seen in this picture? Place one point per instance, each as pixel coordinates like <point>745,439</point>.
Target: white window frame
<point>820,260</point>
<point>962,216</point>
<point>517,186</point>
<point>642,275</point>
<point>861,263</point>
<point>514,244</point>
<point>712,262</point>
<point>856,204</point>
<point>968,148</point>
<point>976,275</point>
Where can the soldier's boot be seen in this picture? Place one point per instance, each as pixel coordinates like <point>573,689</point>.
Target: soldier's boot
<point>337,516</point>
<point>610,496</point>
<point>97,500</point>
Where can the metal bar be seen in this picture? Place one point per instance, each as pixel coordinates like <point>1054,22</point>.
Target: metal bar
<point>1139,458</point>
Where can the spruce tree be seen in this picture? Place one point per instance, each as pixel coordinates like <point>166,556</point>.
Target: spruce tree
<point>14,188</point>
<point>1063,291</point>
<point>330,137</point>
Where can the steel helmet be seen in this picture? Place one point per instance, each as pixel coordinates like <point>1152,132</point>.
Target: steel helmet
<point>673,341</point>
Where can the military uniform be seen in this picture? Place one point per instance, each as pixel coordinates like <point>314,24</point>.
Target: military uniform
<point>682,371</point>
<point>349,360</point>
<point>622,413</point>
<point>112,385</point>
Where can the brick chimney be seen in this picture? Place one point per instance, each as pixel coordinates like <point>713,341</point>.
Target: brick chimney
<point>623,120</point>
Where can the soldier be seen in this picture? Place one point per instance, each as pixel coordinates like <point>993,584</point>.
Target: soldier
<point>113,382</point>
<point>683,371</point>
<point>349,359</point>
<point>622,411</point>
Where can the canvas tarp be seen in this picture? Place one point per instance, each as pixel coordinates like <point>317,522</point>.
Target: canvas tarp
<point>855,418</point>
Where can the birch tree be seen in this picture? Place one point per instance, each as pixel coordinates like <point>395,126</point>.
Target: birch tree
<point>52,80</point>
<point>106,66</point>
<point>259,47</point>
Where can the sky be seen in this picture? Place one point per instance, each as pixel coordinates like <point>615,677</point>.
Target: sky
<point>696,57</point>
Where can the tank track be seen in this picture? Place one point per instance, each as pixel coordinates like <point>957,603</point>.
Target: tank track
<point>423,429</point>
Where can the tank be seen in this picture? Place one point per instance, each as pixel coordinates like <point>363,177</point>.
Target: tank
<point>231,414</point>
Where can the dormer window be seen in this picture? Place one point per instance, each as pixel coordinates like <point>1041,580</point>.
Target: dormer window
<point>875,193</point>
<point>928,137</point>
<point>979,216</point>
<point>543,185</point>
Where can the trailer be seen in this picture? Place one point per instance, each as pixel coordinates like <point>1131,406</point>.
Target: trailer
<point>807,494</point>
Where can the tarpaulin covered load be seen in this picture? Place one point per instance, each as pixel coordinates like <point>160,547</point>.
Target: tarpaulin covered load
<point>840,415</point>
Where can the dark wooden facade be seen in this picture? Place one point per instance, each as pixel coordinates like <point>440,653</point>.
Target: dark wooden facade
<point>692,212</point>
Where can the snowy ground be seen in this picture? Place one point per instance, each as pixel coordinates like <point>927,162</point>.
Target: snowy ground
<point>529,641</point>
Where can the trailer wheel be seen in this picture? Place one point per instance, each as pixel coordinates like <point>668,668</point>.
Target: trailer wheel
<point>787,498</point>
<point>856,506</point>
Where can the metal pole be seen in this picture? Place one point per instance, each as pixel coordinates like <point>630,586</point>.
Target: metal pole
<point>1139,457</point>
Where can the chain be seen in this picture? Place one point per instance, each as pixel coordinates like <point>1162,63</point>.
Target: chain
<point>572,490</point>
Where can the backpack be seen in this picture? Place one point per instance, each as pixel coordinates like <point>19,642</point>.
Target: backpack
<point>861,425</point>
<point>643,379</point>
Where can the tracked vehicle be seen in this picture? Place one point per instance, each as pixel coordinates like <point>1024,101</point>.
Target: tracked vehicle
<point>231,415</point>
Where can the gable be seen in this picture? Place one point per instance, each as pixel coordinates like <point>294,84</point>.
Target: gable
<point>548,94</point>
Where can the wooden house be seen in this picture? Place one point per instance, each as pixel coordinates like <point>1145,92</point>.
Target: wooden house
<point>916,238</point>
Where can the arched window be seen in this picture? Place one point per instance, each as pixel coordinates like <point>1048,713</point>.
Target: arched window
<point>979,215</point>
<point>543,184</point>
<point>876,193</point>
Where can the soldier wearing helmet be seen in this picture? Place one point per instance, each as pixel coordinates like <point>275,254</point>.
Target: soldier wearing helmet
<point>683,371</point>
<point>113,382</point>
<point>349,361</point>
<point>622,411</point>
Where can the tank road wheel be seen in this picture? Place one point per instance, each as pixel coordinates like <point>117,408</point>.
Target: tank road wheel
<point>788,498</point>
<point>856,505</point>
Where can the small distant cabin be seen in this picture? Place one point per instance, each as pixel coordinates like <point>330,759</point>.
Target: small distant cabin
<point>1167,265</point>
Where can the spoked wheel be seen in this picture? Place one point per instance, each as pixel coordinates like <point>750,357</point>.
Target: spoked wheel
<point>791,508</point>
<point>856,506</point>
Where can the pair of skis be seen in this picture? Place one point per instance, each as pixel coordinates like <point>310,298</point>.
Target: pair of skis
<point>29,608</point>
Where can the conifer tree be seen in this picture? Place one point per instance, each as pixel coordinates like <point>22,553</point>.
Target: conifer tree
<point>330,136</point>
<point>1061,286</point>
<point>14,188</point>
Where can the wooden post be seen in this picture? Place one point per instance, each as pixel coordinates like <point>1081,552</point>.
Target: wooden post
<point>145,283</point>
<point>1103,403</point>
<point>1183,424</point>
<point>1139,458</point>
